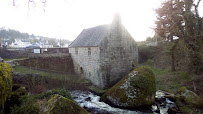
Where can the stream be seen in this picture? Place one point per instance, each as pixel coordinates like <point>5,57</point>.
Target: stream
<point>93,105</point>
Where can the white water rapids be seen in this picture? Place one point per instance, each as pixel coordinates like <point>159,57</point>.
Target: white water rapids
<point>92,102</point>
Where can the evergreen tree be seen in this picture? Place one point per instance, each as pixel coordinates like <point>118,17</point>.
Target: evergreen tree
<point>180,18</point>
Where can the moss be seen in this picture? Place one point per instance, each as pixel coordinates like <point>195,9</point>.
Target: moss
<point>200,103</point>
<point>136,89</point>
<point>181,90</point>
<point>187,101</point>
<point>149,62</point>
<point>62,105</point>
<point>52,92</point>
<point>34,104</point>
<point>189,97</point>
<point>5,83</point>
<point>183,108</point>
<point>96,90</point>
<point>28,107</point>
<point>20,91</point>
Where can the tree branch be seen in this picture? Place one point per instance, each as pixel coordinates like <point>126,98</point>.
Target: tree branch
<point>13,2</point>
<point>197,3</point>
<point>199,24</point>
<point>29,1</point>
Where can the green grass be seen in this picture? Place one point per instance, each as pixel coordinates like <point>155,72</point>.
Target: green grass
<point>62,76</point>
<point>8,59</point>
<point>15,59</point>
<point>158,71</point>
<point>172,81</point>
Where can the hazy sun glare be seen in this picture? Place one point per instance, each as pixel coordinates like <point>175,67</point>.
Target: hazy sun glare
<point>65,19</point>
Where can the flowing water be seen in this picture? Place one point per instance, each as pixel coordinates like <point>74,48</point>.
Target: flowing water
<point>92,104</point>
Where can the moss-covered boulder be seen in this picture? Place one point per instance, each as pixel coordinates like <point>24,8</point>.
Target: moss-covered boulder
<point>187,101</point>
<point>61,105</point>
<point>37,104</point>
<point>188,96</point>
<point>136,89</point>
<point>5,83</point>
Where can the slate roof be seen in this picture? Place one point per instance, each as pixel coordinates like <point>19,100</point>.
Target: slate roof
<point>91,37</point>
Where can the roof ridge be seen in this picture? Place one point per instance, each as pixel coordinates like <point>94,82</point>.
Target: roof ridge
<point>97,26</point>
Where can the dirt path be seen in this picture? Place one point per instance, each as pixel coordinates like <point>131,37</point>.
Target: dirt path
<point>13,62</point>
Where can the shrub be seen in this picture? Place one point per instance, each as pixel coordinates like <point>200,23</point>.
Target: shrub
<point>145,53</point>
<point>27,106</point>
<point>5,83</point>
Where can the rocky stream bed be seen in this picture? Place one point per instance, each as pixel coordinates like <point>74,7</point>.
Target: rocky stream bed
<point>93,105</point>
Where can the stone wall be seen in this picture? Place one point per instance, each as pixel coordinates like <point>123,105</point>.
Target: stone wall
<point>87,65</point>
<point>36,55</point>
<point>55,63</point>
<point>7,54</point>
<point>118,54</point>
<point>55,50</point>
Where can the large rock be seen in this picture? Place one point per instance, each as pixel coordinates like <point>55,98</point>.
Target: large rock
<point>5,83</point>
<point>187,101</point>
<point>137,89</point>
<point>61,105</point>
<point>189,97</point>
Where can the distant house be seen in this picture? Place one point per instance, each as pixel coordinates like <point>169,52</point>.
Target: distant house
<point>20,44</point>
<point>104,54</point>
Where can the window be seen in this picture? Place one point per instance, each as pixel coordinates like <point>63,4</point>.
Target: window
<point>81,71</point>
<point>76,51</point>
<point>89,51</point>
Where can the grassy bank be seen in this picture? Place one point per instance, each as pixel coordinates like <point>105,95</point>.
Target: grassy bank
<point>57,75</point>
<point>37,81</point>
<point>172,81</point>
<point>15,59</point>
<point>65,79</point>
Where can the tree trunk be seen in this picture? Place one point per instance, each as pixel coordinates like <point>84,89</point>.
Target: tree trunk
<point>172,61</point>
<point>172,53</point>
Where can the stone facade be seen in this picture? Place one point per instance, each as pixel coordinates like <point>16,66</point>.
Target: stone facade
<point>118,54</point>
<point>110,60</point>
<point>87,65</point>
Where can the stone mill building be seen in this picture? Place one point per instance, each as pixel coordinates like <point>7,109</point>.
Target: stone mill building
<point>104,54</point>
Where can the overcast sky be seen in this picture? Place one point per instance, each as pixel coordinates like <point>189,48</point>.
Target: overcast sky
<point>65,19</point>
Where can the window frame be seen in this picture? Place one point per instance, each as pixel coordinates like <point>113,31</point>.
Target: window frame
<point>89,51</point>
<point>76,51</point>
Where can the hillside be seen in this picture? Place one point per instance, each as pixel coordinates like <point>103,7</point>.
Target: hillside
<point>19,39</point>
<point>10,34</point>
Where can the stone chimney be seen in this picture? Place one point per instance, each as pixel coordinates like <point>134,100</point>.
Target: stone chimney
<point>117,19</point>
